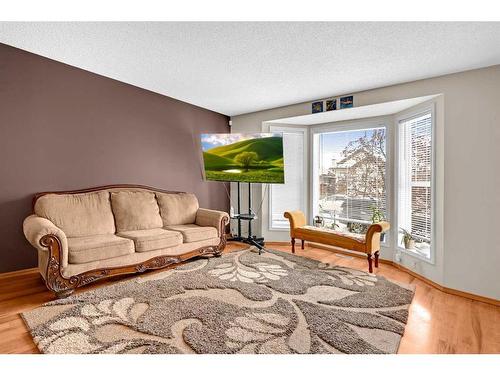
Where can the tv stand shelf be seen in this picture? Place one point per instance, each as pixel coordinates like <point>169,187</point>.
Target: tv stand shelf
<point>244,217</point>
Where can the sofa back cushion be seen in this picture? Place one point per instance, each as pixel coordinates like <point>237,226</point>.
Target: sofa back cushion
<point>78,215</point>
<point>135,210</point>
<point>177,208</point>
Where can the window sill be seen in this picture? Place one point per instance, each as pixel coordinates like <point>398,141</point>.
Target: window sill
<point>415,254</point>
<point>278,229</point>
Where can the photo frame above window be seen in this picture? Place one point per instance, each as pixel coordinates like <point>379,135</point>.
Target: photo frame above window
<point>317,107</point>
<point>346,102</point>
<point>331,104</point>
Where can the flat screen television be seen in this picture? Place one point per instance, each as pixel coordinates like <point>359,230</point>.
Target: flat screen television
<point>244,157</point>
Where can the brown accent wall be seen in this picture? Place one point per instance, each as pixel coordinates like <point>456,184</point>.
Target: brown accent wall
<point>65,128</point>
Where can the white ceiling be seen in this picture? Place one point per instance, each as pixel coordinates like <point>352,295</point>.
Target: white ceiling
<point>236,68</point>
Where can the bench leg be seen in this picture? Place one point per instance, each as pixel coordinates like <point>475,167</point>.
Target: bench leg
<point>370,268</point>
<point>376,258</point>
<point>293,245</point>
<point>302,245</point>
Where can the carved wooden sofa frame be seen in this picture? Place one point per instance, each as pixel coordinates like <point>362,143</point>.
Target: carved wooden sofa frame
<point>64,286</point>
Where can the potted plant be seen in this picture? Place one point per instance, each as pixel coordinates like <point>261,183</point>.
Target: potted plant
<point>377,217</point>
<point>408,239</point>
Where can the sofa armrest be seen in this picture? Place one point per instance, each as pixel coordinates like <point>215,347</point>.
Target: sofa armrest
<point>35,228</point>
<point>212,218</point>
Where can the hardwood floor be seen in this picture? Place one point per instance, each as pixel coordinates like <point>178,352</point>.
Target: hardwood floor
<point>438,322</point>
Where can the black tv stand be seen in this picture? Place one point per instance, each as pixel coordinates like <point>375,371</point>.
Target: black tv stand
<point>258,242</point>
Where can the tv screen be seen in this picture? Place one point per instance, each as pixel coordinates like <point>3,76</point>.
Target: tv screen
<point>244,157</point>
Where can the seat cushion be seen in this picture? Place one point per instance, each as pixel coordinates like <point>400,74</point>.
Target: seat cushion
<point>78,215</point>
<point>193,232</point>
<point>92,248</point>
<point>331,237</point>
<point>135,210</point>
<point>177,208</point>
<point>326,233</point>
<point>153,239</point>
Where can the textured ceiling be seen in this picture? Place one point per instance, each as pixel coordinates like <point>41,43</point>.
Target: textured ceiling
<point>236,68</point>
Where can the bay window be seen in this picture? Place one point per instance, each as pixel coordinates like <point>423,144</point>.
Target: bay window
<point>347,174</point>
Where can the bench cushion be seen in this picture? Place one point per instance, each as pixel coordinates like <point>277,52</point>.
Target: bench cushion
<point>193,232</point>
<point>92,248</point>
<point>153,239</point>
<point>326,232</point>
<point>331,237</point>
<point>135,210</point>
<point>78,215</point>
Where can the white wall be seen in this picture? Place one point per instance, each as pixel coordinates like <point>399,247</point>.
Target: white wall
<point>468,137</point>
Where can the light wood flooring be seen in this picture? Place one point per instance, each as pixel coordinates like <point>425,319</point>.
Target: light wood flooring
<point>438,322</point>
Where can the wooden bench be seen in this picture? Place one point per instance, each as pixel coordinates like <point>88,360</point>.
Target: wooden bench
<point>368,244</point>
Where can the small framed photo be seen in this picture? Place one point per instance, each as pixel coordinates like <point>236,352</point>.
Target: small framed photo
<point>346,102</point>
<point>317,107</point>
<point>331,104</point>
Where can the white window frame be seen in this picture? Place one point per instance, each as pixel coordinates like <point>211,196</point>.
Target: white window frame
<point>360,124</point>
<point>291,129</point>
<point>405,116</point>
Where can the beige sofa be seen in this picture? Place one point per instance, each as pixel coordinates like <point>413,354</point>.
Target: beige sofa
<point>82,236</point>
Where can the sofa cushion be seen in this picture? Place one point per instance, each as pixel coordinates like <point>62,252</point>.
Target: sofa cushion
<point>153,239</point>
<point>92,248</point>
<point>177,208</point>
<point>78,215</point>
<point>135,210</point>
<point>193,232</point>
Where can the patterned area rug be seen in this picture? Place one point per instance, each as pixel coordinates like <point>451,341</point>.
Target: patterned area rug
<point>239,303</point>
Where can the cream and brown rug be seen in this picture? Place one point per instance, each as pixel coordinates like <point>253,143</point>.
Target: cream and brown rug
<point>238,303</point>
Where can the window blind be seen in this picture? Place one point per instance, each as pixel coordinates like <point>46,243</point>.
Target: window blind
<point>415,177</point>
<point>290,195</point>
